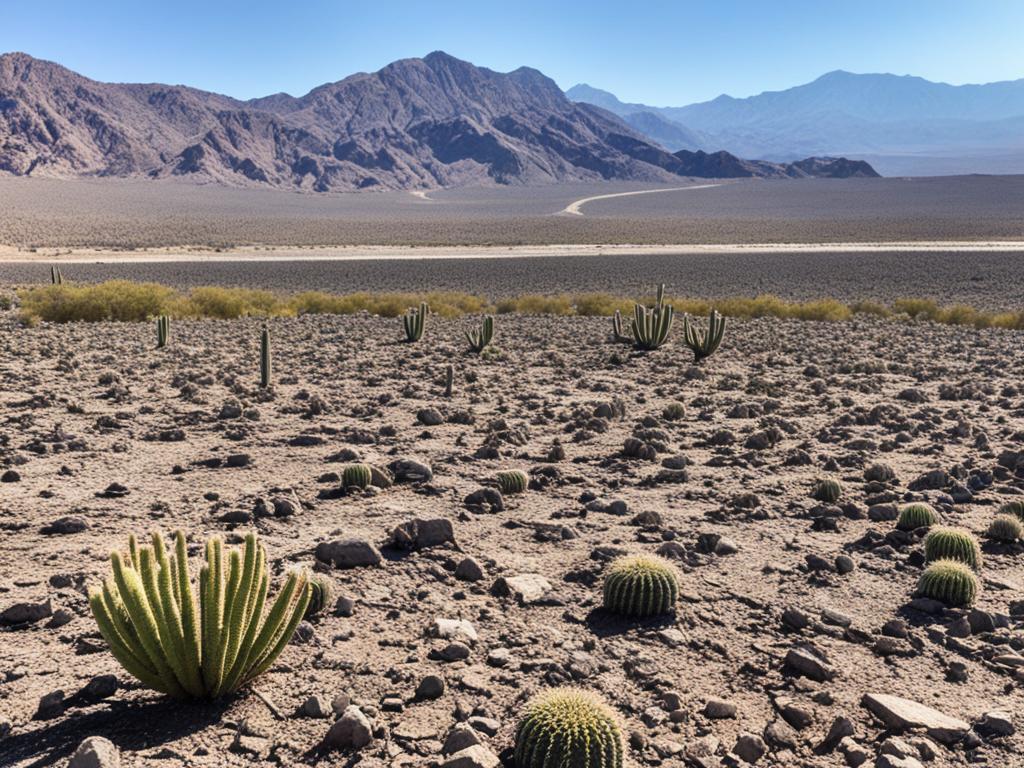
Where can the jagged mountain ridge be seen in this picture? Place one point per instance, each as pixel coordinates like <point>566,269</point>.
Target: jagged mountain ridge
<point>416,123</point>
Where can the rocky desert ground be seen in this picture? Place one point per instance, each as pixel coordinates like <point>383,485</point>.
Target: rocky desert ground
<point>797,641</point>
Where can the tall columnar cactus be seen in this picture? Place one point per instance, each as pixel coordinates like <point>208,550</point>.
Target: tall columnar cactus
<point>916,515</point>
<point>568,728</point>
<point>651,326</point>
<point>357,476</point>
<point>56,278</point>
<point>148,613</point>
<point>479,338</point>
<point>827,490</point>
<point>619,334</point>
<point>704,343</point>
<point>949,581</point>
<point>449,380</point>
<point>641,585</point>
<point>163,331</point>
<point>512,481</point>
<point>265,359</point>
<point>952,544</point>
<point>414,322</point>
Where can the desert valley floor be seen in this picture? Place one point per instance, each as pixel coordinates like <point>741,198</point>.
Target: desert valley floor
<point>797,616</point>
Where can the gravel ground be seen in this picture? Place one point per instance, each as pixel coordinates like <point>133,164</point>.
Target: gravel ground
<point>725,494</point>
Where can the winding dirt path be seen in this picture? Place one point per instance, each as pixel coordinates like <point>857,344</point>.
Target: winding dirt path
<point>574,207</point>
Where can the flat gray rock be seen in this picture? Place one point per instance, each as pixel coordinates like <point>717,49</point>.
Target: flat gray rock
<point>903,714</point>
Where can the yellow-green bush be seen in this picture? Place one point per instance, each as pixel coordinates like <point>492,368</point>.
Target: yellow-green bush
<point>227,303</point>
<point>113,300</point>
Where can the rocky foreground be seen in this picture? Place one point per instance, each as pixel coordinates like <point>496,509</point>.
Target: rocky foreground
<point>798,640</point>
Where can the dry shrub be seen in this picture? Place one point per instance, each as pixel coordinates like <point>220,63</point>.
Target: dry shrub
<point>600,304</point>
<point>229,303</point>
<point>533,304</point>
<point>113,300</point>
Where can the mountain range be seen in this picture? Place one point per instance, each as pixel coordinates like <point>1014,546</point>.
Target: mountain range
<point>417,123</point>
<point>900,124</point>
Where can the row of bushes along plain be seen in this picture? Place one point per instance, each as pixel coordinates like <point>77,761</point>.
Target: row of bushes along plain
<point>122,300</point>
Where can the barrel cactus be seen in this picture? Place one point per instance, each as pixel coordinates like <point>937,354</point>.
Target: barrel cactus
<point>641,585</point>
<point>916,515</point>
<point>1015,508</point>
<point>356,476</point>
<point>952,544</point>
<point>321,594</point>
<point>568,728</point>
<point>950,581</point>
<point>1005,528</point>
<point>827,490</point>
<point>148,613</point>
<point>512,481</point>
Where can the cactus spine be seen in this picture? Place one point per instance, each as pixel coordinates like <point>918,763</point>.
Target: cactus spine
<point>163,331</point>
<point>651,326</point>
<point>479,338</point>
<point>704,343</point>
<point>568,727</point>
<point>414,321</point>
<point>265,358</point>
<point>148,614</point>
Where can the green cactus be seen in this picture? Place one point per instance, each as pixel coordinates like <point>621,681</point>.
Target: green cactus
<point>449,380</point>
<point>415,321</point>
<point>827,490</point>
<point>568,728</point>
<point>916,515</point>
<point>56,278</point>
<point>512,481</point>
<point>1005,528</point>
<point>148,614</point>
<point>704,343</point>
<point>357,475</point>
<point>651,326</point>
<point>674,412</point>
<point>163,331</point>
<point>265,359</point>
<point>479,338</point>
<point>321,594</point>
<point>1015,508</point>
<point>950,581</point>
<point>641,585</point>
<point>952,544</point>
<point>618,334</point>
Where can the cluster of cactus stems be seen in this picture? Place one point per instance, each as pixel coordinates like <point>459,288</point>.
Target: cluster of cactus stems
<point>265,358</point>
<point>568,728</point>
<point>415,321</point>
<point>652,326</point>
<point>357,476</point>
<point>512,481</point>
<point>916,515</point>
<point>148,614</point>
<point>56,278</point>
<point>163,331</point>
<point>950,582</point>
<point>704,343</point>
<point>619,335</point>
<point>641,585</point>
<point>479,338</point>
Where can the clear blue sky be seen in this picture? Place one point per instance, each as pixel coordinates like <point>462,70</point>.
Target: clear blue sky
<point>668,53</point>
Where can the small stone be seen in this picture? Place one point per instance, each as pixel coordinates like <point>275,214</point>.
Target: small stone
<point>996,723</point>
<point>26,613</point>
<point>64,526</point>
<point>809,663</point>
<point>50,706</point>
<point>316,706</point>
<point>841,728</point>
<point>10,476</point>
<point>430,687</point>
<point>344,606</point>
<point>901,714</point>
<point>469,569</point>
<point>486,725</point>
<point>527,588</point>
<point>844,564</point>
<point>460,738</point>
<point>421,534</point>
<point>750,747</point>
<point>101,687</point>
<point>453,629</point>
<point>348,553</point>
<point>453,652</point>
<point>96,752</point>
<point>476,756</point>
<point>719,709</point>
<point>351,731</point>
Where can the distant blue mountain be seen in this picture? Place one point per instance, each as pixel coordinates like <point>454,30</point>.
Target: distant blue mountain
<point>902,125</point>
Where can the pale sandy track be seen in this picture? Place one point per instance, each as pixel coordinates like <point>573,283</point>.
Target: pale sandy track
<point>11,255</point>
<point>574,208</point>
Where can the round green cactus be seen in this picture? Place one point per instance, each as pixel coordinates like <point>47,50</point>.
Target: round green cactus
<point>357,475</point>
<point>916,515</point>
<point>512,481</point>
<point>1015,508</point>
<point>827,490</point>
<point>1005,528</point>
<point>674,412</point>
<point>641,585</point>
<point>950,581</point>
<point>952,544</point>
<point>568,728</point>
<point>321,594</point>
